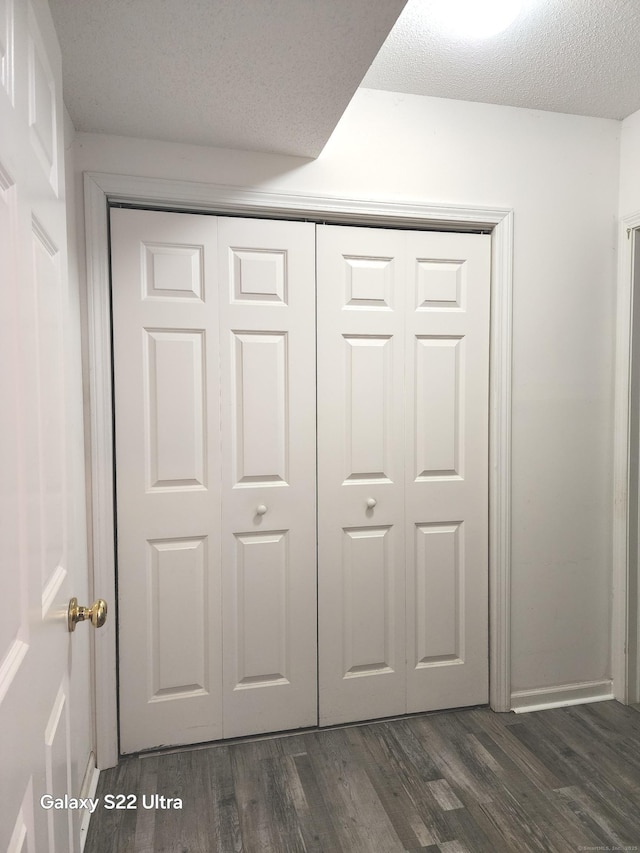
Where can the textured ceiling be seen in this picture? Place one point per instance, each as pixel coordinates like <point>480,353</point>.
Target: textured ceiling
<point>570,56</point>
<point>269,75</point>
<point>276,75</point>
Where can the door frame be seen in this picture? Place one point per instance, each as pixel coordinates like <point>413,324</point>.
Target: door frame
<point>625,663</point>
<point>102,190</point>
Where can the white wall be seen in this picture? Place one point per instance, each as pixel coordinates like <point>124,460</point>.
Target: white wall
<point>560,174</point>
<point>630,165</point>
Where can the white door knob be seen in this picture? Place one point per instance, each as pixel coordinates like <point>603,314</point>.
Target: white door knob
<point>260,510</point>
<point>371,503</point>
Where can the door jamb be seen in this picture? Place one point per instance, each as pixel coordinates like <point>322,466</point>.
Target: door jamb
<point>625,664</point>
<point>101,189</point>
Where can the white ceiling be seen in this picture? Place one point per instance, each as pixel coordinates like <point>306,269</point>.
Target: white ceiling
<point>570,56</point>
<point>269,75</point>
<point>276,75</point>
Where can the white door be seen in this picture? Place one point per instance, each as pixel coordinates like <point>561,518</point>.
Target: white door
<point>167,477</point>
<point>41,526</point>
<point>403,358</point>
<point>215,382</point>
<point>214,365</point>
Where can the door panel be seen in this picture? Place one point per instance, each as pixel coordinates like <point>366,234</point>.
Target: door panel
<point>260,424</point>
<point>368,614</point>
<point>438,406</point>
<point>261,571</point>
<point>178,585</point>
<point>168,477</point>
<point>403,341</point>
<point>267,323</point>
<point>42,524</point>
<point>368,374</point>
<point>439,635</point>
<point>57,767</point>
<point>215,418</point>
<point>361,585</point>
<point>447,465</point>
<point>174,381</point>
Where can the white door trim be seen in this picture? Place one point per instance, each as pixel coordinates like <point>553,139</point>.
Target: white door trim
<point>626,488</point>
<point>101,189</point>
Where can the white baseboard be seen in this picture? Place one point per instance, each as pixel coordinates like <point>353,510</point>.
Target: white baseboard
<point>88,789</point>
<point>523,701</point>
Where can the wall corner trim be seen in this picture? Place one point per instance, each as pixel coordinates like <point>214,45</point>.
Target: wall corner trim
<point>101,190</point>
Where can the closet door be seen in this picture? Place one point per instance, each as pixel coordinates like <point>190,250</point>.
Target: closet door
<point>361,577</point>
<point>214,363</point>
<point>168,475</point>
<point>403,355</point>
<point>446,469</point>
<point>267,320</point>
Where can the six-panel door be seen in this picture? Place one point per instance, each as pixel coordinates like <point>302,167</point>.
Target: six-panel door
<point>213,350</point>
<point>42,524</point>
<point>403,360</point>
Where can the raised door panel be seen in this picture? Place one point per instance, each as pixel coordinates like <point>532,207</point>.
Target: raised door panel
<point>262,572</point>
<point>368,407</point>
<point>260,424</point>
<point>43,116</point>
<point>360,473</point>
<point>22,838</point>
<point>267,323</point>
<point>50,441</point>
<point>6,47</point>
<point>45,433</point>
<point>14,623</point>
<point>368,613</point>
<point>439,406</point>
<point>180,631</point>
<point>175,411</point>
<point>168,477</point>
<point>57,751</point>
<point>439,585</point>
<point>447,377</point>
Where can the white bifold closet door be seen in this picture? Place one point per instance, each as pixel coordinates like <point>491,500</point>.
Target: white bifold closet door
<point>403,360</point>
<point>215,420</point>
<point>214,367</point>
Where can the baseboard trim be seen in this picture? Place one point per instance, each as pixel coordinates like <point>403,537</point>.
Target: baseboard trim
<point>523,701</point>
<point>88,789</point>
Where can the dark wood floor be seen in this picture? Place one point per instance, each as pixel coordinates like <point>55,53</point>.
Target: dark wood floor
<point>469,781</point>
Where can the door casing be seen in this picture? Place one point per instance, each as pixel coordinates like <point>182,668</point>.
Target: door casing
<point>102,190</point>
<point>625,663</point>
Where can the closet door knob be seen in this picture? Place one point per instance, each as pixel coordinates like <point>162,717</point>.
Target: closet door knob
<point>371,503</point>
<point>261,509</point>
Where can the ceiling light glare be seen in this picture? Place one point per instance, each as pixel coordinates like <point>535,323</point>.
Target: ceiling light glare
<point>474,19</point>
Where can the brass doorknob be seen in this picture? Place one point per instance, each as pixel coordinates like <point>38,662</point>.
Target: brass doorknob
<point>97,613</point>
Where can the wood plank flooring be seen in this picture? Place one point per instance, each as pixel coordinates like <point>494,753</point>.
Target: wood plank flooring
<point>467,781</point>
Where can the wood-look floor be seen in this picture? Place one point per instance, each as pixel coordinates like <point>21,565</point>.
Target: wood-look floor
<point>466,781</point>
